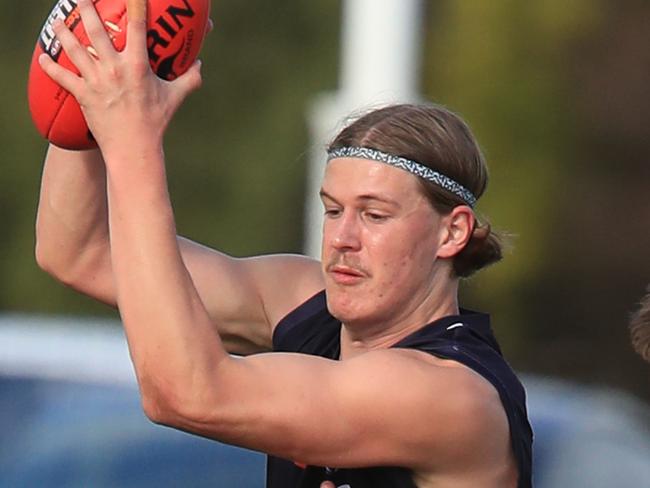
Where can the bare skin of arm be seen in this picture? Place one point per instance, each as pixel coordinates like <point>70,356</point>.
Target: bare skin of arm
<point>241,295</point>
<point>384,407</point>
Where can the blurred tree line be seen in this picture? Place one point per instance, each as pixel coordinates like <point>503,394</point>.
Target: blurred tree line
<point>555,91</point>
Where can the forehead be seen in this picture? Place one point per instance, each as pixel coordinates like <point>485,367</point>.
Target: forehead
<point>355,177</point>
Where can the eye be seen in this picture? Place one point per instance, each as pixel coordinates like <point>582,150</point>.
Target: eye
<point>376,217</point>
<point>332,212</point>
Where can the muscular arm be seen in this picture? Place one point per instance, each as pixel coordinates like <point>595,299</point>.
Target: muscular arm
<point>386,407</point>
<point>383,407</point>
<point>328,412</point>
<point>72,225</point>
<point>72,244</point>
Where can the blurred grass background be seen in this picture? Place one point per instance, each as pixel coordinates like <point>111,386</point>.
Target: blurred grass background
<point>556,92</point>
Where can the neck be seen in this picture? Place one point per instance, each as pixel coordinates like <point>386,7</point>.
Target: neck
<point>359,338</point>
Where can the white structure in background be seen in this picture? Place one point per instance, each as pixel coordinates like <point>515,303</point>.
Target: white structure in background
<point>89,350</point>
<point>380,63</point>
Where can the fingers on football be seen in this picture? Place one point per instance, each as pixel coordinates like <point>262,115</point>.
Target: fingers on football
<point>188,82</point>
<point>136,29</point>
<point>65,78</point>
<point>136,10</point>
<point>95,30</point>
<point>77,53</point>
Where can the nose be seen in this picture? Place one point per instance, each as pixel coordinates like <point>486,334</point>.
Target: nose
<point>345,232</point>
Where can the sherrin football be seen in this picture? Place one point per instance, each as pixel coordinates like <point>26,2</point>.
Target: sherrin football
<point>175,32</point>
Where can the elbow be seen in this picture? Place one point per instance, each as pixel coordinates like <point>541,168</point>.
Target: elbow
<point>158,406</point>
<point>48,261</point>
<point>155,400</point>
<point>45,253</point>
<point>197,407</point>
<point>185,396</point>
<point>175,409</point>
<point>42,248</point>
<point>201,410</point>
<point>155,411</point>
<point>82,269</point>
<point>45,258</point>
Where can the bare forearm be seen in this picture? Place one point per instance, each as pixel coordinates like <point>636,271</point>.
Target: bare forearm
<point>127,108</point>
<point>171,338</point>
<point>72,222</point>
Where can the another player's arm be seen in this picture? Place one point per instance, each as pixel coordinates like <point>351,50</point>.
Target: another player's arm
<point>72,244</point>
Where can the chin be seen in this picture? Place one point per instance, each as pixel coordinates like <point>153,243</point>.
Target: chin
<point>340,305</point>
<point>345,307</point>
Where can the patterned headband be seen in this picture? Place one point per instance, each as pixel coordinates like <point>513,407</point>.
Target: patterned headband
<point>406,164</point>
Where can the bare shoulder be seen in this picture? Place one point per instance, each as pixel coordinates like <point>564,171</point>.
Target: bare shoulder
<point>387,407</point>
<point>454,415</point>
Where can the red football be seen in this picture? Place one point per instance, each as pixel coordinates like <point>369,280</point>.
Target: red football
<point>175,32</point>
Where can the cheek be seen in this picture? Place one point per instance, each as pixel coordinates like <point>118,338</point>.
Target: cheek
<point>399,260</point>
<point>326,244</point>
<point>389,261</point>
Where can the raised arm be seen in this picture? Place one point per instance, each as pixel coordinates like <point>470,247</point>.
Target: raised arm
<point>328,412</point>
<point>72,222</point>
<point>240,295</point>
<point>313,410</point>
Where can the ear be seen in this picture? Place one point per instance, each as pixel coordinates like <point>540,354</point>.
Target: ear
<point>457,228</point>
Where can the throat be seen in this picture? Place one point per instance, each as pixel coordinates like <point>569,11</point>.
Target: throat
<point>388,325</point>
<point>352,345</point>
<point>357,339</point>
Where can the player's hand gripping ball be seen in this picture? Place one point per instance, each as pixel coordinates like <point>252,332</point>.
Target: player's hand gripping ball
<point>175,32</point>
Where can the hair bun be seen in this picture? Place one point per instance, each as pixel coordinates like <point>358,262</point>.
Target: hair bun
<point>483,248</point>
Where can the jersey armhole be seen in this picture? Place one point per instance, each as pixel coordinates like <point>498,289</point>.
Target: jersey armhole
<point>307,309</point>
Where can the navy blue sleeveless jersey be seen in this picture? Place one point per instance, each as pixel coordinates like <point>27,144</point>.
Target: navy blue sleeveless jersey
<point>466,338</point>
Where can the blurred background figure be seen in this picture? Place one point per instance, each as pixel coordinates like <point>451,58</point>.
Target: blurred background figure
<point>556,94</point>
<point>640,327</point>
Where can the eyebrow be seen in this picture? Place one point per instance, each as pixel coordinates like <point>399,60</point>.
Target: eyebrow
<point>365,198</point>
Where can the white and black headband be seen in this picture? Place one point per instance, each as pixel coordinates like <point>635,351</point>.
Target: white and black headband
<point>412,167</point>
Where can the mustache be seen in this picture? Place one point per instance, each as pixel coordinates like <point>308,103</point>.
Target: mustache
<point>338,259</point>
